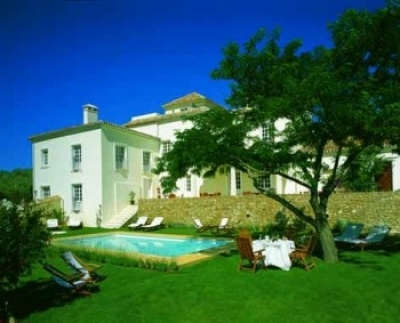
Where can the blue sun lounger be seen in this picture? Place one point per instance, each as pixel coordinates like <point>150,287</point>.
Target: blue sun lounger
<point>351,231</point>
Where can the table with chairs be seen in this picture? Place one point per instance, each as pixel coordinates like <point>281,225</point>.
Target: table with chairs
<point>280,252</point>
<point>276,253</point>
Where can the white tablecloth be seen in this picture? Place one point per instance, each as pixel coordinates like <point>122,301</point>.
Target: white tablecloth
<point>276,253</point>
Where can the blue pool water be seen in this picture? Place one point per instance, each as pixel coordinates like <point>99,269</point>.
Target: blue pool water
<point>157,246</point>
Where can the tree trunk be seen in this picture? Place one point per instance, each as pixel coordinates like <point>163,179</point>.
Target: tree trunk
<point>327,242</point>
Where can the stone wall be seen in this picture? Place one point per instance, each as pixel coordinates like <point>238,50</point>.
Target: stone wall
<point>368,208</point>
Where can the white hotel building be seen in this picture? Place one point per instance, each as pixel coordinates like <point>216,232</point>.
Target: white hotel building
<point>94,166</point>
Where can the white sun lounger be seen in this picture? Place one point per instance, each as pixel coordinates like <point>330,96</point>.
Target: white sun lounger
<point>140,222</point>
<point>155,224</point>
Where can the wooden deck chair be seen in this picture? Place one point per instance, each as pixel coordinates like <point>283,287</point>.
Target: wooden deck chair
<point>80,267</point>
<point>303,253</point>
<point>72,283</point>
<point>246,253</point>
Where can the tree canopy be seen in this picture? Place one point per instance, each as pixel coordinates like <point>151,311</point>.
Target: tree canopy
<point>16,185</point>
<point>345,97</point>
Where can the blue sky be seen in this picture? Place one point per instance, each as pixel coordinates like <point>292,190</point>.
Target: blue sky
<point>128,57</point>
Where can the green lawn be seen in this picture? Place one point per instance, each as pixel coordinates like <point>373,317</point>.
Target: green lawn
<point>362,287</point>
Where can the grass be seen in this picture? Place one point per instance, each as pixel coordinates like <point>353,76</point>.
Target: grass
<point>362,287</point>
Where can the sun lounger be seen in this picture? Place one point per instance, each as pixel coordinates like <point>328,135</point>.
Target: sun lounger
<point>52,224</point>
<point>74,223</point>
<point>140,221</point>
<point>199,226</point>
<point>155,224</point>
<point>222,226</point>
<point>375,236</point>
<point>350,232</point>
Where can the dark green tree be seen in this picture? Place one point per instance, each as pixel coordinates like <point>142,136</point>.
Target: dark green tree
<point>345,98</point>
<point>16,185</point>
<point>362,173</point>
<point>23,241</point>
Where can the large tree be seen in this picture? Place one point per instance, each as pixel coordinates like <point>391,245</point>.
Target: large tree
<point>345,97</point>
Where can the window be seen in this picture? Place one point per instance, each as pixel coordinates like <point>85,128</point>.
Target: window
<point>264,182</point>
<point>120,157</point>
<point>146,161</point>
<point>238,179</point>
<point>267,129</point>
<point>76,157</point>
<point>188,183</point>
<point>45,192</point>
<point>76,197</point>
<point>166,147</point>
<point>45,157</point>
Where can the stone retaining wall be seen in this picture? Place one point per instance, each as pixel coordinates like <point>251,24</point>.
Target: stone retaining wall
<point>368,208</point>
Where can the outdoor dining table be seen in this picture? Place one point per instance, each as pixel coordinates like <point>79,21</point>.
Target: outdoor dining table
<point>276,253</point>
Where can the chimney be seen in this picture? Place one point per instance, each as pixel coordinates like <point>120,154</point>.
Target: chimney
<point>90,113</point>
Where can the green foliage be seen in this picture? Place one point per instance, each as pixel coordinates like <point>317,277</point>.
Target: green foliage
<point>361,174</point>
<point>344,99</point>
<point>278,228</point>
<point>339,225</point>
<point>281,227</point>
<point>16,186</point>
<point>299,225</point>
<point>23,241</point>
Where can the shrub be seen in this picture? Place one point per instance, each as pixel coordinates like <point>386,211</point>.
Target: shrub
<point>23,241</point>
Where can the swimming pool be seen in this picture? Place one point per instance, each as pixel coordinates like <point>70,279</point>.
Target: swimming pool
<point>149,245</point>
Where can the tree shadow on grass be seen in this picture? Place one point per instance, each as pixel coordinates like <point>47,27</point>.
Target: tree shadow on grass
<point>360,260</point>
<point>38,296</point>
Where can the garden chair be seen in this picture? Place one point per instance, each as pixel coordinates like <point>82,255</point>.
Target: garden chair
<point>246,253</point>
<point>303,253</point>
<point>155,224</point>
<point>375,236</point>
<point>140,221</point>
<point>199,226</point>
<point>73,283</point>
<point>80,267</point>
<point>350,232</point>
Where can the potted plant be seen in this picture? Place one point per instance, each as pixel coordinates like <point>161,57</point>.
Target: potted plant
<point>132,197</point>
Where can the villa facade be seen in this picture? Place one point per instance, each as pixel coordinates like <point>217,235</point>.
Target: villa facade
<point>94,167</point>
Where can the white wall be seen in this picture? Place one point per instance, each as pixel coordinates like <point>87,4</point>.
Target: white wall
<point>60,177</point>
<point>118,183</point>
